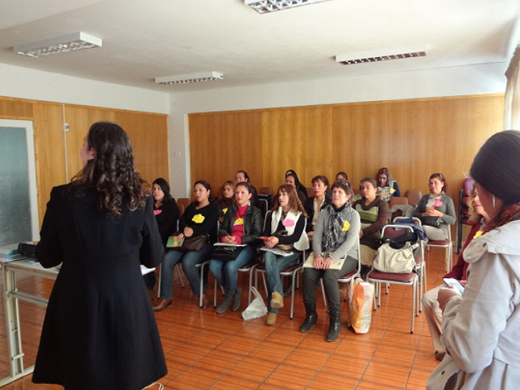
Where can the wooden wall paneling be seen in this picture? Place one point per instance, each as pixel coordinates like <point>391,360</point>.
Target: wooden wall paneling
<point>148,134</point>
<point>79,119</point>
<point>299,139</point>
<point>16,109</point>
<point>223,143</point>
<point>413,138</point>
<point>49,147</point>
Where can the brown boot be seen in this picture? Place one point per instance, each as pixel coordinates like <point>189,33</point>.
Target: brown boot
<point>162,304</point>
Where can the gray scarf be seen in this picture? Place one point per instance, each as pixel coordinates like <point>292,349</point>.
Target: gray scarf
<point>334,226</point>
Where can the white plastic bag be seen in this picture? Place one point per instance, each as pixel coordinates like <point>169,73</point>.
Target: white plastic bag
<point>362,299</point>
<point>256,308</point>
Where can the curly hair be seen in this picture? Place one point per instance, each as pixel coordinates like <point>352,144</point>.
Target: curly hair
<point>112,170</point>
<point>294,201</point>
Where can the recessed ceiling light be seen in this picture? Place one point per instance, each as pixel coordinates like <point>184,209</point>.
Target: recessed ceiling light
<point>189,78</point>
<point>382,55</point>
<point>61,44</point>
<point>265,6</point>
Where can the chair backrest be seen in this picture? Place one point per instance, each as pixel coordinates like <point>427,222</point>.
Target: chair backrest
<point>395,200</point>
<point>416,221</point>
<point>395,230</point>
<point>266,191</point>
<point>263,205</point>
<point>182,203</point>
<point>414,196</point>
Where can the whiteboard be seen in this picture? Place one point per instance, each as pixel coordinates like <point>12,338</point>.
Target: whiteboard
<point>19,221</point>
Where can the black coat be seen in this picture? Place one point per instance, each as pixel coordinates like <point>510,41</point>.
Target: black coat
<point>167,216</point>
<point>99,330</point>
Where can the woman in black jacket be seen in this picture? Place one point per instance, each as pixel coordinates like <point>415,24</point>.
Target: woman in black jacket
<point>165,209</point>
<point>242,225</point>
<point>99,330</point>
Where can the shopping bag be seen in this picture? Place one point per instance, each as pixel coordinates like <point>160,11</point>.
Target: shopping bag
<point>361,305</point>
<point>256,308</point>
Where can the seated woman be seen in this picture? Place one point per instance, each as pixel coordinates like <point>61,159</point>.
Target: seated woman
<point>242,176</point>
<point>341,175</point>
<point>165,209</point>
<point>436,210</point>
<point>315,204</point>
<point>299,186</point>
<point>387,186</point>
<point>285,225</point>
<point>374,214</point>
<point>225,199</point>
<point>335,252</point>
<point>166,213</point>
<point>431,309</point>
<point>291,180</point>
<point>242,225</point>
<point>200,217</point>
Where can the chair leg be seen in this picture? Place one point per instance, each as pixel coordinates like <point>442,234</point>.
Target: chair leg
<point>293,284</point>
<point>178,266</point>
<point>323,293</point>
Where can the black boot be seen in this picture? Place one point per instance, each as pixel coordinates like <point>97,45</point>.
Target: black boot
<point>310,319</point>
<point>335,325</point>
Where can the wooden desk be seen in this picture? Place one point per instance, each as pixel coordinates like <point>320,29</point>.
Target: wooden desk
<point>12,314</point>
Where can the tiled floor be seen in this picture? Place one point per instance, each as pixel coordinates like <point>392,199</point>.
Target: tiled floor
<point>209,351</point>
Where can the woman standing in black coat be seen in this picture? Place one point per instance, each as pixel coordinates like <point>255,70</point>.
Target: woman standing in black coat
<point>99,330</point>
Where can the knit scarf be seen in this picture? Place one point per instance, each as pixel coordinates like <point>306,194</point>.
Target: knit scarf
<point>334,225</point>
<point>510,213</point>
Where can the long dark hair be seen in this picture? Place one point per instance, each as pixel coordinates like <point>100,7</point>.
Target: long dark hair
<point>112,170</point>
<point>207,186</point>
<point>165,187</point>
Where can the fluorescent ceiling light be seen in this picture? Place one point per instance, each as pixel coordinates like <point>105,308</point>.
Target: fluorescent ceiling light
<point>382,55</point>
<point>61,44</point>
<point>189,78</point>
<point>264,6</point>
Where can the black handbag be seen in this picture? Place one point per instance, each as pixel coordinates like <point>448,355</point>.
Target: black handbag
<point>226,253</point>
<point>193,243</point>
<point>431,221</point>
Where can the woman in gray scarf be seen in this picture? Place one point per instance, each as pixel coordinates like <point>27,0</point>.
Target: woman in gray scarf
<point>334,246</point>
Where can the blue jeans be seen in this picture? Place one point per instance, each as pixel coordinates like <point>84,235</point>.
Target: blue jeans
<point>189,262</point>
<point>274,264</point>
<point>226,272</point>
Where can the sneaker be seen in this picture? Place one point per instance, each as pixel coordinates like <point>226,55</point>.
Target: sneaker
<point>271,319</point>
<point>277,300</point>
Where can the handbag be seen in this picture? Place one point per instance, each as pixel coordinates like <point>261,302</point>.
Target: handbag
<point>431,221</point>
<point>283,247</point>
<point>395,261</point>
<point>226,253</point>
<point>190,244</point>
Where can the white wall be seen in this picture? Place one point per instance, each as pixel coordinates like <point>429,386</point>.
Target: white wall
<point>27,83</point>
<point>456,81</point>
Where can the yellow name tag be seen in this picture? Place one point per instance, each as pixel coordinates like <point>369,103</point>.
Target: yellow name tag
<point>224,211</point>
<point>478,234</point>
<point>198,218</point>
<point>346,226</point>
<point>239,221</point>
